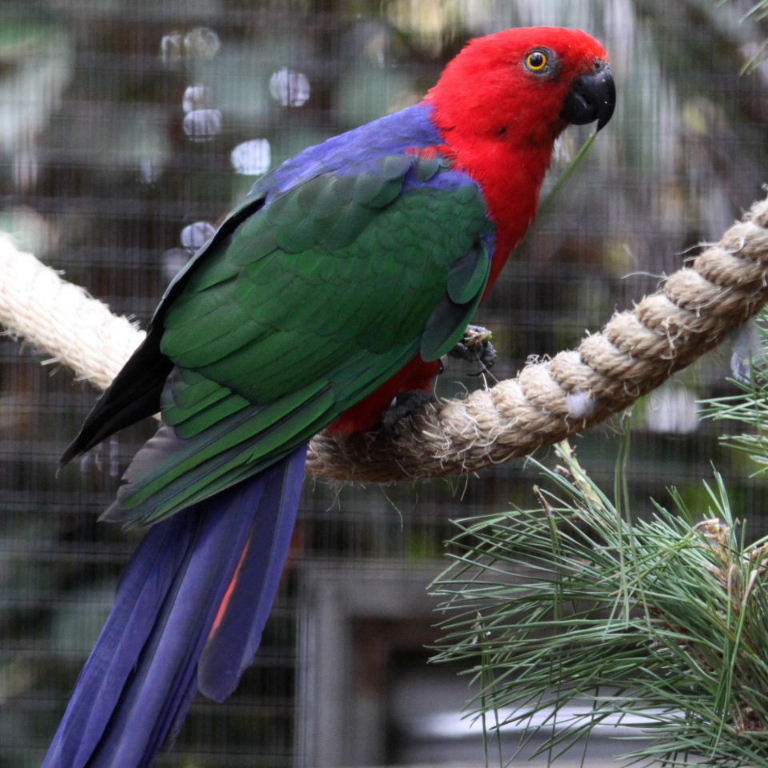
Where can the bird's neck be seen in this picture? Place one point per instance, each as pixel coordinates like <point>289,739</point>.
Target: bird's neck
<point>511,178</point>
<point>510,169</point>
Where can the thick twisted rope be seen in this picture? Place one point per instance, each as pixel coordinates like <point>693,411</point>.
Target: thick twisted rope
<point>61,319</point>
<point>547,402</point>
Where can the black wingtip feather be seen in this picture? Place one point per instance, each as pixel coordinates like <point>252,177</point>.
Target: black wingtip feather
<point>135,392</point>
<point>133,395</point>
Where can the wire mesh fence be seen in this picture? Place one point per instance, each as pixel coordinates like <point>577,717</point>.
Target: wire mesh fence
<point>127,129</point>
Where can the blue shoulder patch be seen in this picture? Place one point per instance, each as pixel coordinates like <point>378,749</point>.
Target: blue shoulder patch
<point>352,152</point>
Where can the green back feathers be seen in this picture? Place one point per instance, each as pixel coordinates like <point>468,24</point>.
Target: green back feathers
<point>301,309</point>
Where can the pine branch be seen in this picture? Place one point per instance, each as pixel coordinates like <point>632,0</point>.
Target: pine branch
<point>661,624</point>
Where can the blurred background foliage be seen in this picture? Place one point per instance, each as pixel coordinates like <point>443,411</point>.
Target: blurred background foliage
<point>129,127</point>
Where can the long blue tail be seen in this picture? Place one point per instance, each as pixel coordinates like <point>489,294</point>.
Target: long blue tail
<point>188,617</point>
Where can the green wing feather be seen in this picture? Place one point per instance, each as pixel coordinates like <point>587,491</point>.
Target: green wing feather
<point>305,307</point>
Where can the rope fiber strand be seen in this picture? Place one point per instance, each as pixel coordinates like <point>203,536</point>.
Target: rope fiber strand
<point>547,402</point>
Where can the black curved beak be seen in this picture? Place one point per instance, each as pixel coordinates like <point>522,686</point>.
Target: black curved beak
<point>592,97</point>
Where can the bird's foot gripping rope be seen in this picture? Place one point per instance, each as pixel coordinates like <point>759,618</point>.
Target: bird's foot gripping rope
<point>476,347</point>
<point>637,350</point>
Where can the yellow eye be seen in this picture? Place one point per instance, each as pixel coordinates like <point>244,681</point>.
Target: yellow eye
<point>537,61</point>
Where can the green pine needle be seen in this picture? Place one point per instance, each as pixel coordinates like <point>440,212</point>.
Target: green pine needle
<point>548,203</point>
<point>758,12</point>
<point>662,622</point>
<point>749,407</point>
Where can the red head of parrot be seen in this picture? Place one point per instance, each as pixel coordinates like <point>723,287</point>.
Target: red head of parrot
<point>501,103</point>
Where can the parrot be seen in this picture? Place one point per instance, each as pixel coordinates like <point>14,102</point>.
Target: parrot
<point>332,290</point>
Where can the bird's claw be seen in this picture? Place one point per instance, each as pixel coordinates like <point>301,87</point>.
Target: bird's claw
<point>405,404</point>
<point>476,347</point>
